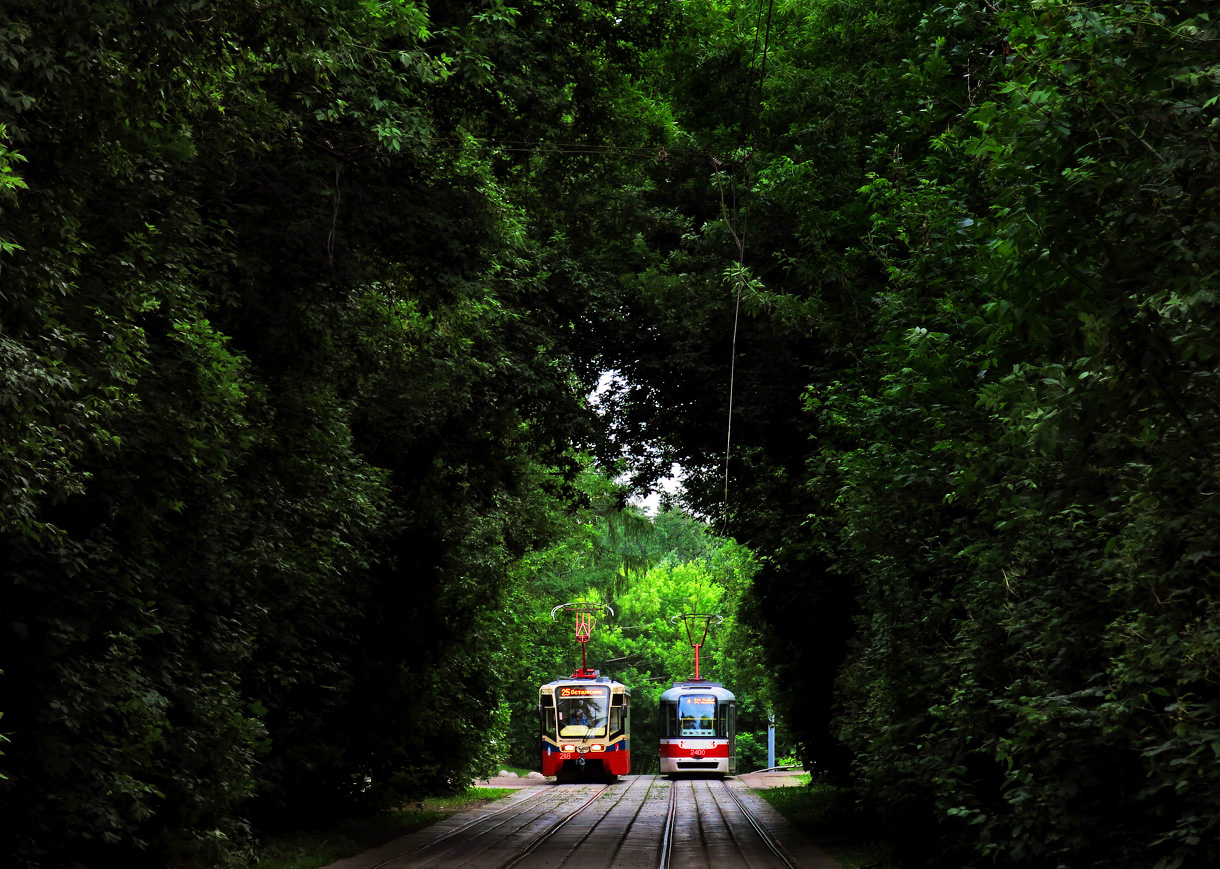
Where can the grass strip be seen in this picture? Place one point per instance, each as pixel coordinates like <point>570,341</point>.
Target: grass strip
<point>312,849</point>
<point>828,815</point>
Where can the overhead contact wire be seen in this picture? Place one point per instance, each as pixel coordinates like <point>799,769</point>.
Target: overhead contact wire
<point>740,240</point>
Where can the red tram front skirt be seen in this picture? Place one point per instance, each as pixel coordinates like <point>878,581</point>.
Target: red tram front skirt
<point>696,755</point>
<point>615,760</point>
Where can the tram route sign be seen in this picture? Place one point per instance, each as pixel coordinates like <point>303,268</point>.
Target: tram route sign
<point>583,692</point>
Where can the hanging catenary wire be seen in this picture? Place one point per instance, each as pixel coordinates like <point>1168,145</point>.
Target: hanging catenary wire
<point>740,238</point>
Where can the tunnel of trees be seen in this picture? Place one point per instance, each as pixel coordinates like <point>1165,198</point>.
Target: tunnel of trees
<point>302,306</point>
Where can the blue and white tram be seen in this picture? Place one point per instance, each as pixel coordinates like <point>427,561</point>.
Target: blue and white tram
<point>698,725</point>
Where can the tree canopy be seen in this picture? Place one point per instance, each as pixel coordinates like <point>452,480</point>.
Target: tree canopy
<point>301,306</point>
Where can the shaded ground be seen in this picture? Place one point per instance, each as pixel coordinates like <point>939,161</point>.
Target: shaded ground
<point>309,849</point>
<point>773,778</point>
<point>830,816</point>
<point>512,782</point>
<point>626,825</point>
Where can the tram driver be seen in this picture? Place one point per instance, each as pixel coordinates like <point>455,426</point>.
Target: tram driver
<point>577,719</point>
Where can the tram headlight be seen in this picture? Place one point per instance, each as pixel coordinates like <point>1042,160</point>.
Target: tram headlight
<point>568,747</point>
<point>596,747</point>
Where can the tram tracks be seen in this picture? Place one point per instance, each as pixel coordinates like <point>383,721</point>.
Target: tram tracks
<point>554,828</point>
<point>763,833</point>
<point>667,832</point>
<point>666,847</point>
<point>478,827</point>
<point>519,806</point>
<point>672,825</point>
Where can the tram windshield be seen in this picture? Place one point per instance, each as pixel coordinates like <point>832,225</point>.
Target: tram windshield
<point>582,710</point>
<point>697,715</point>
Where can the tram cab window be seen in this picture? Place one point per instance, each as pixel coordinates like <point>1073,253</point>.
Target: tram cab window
<point>722,720</point>
<point>546,711</point>
<point>583,711</point>
<point>697,715</point>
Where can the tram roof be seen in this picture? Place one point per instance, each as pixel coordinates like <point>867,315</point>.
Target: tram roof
<point>586,680</point>
<point>716,689</point>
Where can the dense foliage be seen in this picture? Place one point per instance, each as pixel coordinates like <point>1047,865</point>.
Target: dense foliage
<point>287,391</point>
<point>1041,389</point>
<point>976,391</point>
<point>299,307</point>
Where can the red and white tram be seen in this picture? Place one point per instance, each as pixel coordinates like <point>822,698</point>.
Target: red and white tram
<point>698,717</point>
<point>698,723</point>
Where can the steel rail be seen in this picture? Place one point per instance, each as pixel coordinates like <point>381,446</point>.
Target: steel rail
<point>553,829</point>
<point>635,817</point>
<point>626,833</point>
<point>728,828</point>
<point>768,840</point>
<point>522,803</point>
<point>700,824</point>
<point>667,834</point>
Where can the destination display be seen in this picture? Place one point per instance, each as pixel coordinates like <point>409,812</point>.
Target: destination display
<point>699,701</point>
<point>584,692</point>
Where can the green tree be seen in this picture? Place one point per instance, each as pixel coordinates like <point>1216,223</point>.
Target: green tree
<point>1034,392</point>
<point>280,373</point>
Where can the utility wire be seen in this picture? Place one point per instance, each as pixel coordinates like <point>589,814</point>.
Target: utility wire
<point>740,239</point>
<point>750,85</point>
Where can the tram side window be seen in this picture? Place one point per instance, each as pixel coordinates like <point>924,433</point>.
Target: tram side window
<point>616,715</point>
<point>722,720</point>
<point>547,710</point>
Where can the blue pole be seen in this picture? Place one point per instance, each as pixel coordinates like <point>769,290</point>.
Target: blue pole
<point>771,743</point>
